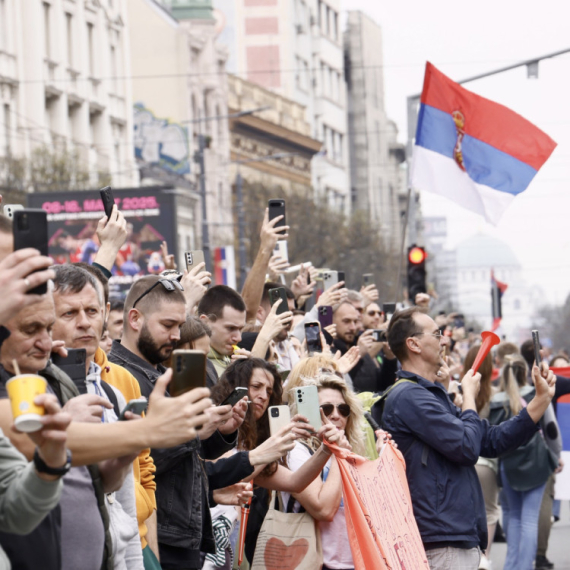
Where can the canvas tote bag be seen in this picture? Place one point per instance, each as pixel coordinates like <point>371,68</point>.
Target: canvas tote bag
<point>288,541</point>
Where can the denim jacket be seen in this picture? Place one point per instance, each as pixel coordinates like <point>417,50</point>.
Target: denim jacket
<point>181,479</point>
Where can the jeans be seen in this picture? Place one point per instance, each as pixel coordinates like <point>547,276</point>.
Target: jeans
<point>521,526</point>
<point>450,558</point>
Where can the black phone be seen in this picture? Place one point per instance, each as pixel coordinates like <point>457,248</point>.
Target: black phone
<point>30,229</point>
<point>459,321</point>
<point>313,337</point>
<point>237,394</point>
<point>277,208</point>
<point>536,343</point>
<point>367,279</point>
<point>188,371</point>
<point>74,366</point>
<point>379,335</point>
<point>107,199</point>
<point>275,295</point>
<point>388,309</point>
<point>341,276</point>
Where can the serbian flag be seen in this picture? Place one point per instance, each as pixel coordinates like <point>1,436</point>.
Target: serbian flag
<point>497,290</point>
<point>474,151</point>
<point>225,266</point>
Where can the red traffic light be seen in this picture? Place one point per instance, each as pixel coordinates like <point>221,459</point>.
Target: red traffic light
<point>417,255</point>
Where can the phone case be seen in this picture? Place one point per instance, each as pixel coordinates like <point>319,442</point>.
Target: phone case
<point>193,258</point>
<point>74,366</point>
<point>279,293</point>
<point>279,417</point>
<point>313,337</point>
<point>235,397</point>
<point>330,278</point>
<point>325,316</point>
<point>277,208</point>
<point>307,398</point>
<point>30,229</point>
<point>137,406</point>
<point>367,279</point>
<point>107,199</point>
<point>188,371</point>
<point>9,209</point>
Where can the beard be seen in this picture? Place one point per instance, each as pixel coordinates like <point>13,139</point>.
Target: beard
<point>150,350</point>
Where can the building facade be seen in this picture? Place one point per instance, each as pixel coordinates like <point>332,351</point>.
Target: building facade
<point>294,48</point>
<point>376,176</point>
<point>64,87</point>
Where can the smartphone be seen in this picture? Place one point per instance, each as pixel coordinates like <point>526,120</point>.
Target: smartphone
<point>275,295</point>
<point>341,276</point>
<point>459,321</point>
<point>388,309</point>
<point>277,208</point>
<point>9,209</point>
<point>367,279</point>
<point>279,417</point>
<point>74,366</point>
<point>193,258</point>
<point>281,249</point>
<point>188,371</point>
<point>313,337</point>
<point>30,229</point>
<point>536,343</point>
<point>325,316</point>
<point>137,406</point>
<point>330,278</point>
<point>107,199</point>
<point>379,335</point>
<point>235,397</point>
<point>307,398</point>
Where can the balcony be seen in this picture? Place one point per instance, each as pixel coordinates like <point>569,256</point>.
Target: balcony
<point>95,90</point>
<point>117,108</point>
<point>7,68</point>
<point>50,72</point>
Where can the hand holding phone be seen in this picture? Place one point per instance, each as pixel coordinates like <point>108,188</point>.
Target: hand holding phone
<point>233,398</point>
<point>188,371</point>
<point>536,344</point>
<point>279,417</point>
<point>313,337</point>
<point>275,295</point>
<point>277,208</point>
<point>307,399</point>
<point>108,200</point>
<point>136,406</point>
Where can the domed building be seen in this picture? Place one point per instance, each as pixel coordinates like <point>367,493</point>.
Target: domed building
<point>475,258</point>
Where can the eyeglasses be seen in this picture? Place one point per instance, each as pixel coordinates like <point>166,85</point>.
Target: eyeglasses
<point>437,335</point>
<point>343,409</point>
<point>374,313</point>
<point>168,284</point>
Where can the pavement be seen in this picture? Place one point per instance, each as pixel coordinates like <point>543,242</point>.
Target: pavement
<point>558,546</point>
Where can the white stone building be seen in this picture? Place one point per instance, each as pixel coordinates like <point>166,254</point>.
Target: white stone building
<point>294,47</point>
<point>65,83</point>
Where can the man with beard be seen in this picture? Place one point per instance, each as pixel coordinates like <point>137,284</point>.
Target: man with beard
<point>155,309</point>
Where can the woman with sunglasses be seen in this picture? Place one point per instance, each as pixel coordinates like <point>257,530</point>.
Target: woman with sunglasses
<point>322,499</point>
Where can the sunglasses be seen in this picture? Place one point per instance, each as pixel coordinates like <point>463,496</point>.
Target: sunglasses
<point>168,284</point>
<point>373,313</point>
<point>343,409</point>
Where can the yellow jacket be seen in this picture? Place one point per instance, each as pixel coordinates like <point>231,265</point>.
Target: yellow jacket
<point>143,466</point>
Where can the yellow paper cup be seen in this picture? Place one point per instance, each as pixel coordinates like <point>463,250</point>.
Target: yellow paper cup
<point>22,391</point>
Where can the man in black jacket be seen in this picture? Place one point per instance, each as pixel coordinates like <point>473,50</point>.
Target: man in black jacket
<point>154,312</point>
<point>366,375</point>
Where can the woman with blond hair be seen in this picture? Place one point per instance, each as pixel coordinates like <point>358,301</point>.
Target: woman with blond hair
<point>524,472</point>
<point>323,501</point>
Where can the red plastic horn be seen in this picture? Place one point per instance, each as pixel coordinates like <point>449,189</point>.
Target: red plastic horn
<point>490,339</point>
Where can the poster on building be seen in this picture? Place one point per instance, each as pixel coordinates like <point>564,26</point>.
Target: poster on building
<point>72,223</point>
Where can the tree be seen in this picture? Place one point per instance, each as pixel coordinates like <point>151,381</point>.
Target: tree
<point>325,237</point>
<point>554,323</point>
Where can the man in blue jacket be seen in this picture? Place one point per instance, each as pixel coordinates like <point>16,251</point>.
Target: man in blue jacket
<point>442,443</point>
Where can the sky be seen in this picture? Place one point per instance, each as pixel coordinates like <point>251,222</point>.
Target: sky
<point>464,39</point>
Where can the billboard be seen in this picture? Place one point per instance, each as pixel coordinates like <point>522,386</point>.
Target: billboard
<point>72,223</point>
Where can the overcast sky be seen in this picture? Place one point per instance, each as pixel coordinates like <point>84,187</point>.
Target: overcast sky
<point>466,39</point>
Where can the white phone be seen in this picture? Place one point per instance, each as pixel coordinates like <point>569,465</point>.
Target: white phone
<point>330,278</point>
<point>281,250</point>
<point>307,398</point>
<point>9,209</point>
<point>279,417</point>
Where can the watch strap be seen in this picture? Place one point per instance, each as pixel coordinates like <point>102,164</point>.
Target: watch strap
<point>42,467</point>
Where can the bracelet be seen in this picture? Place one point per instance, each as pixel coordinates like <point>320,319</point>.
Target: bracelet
<point>42,467</point>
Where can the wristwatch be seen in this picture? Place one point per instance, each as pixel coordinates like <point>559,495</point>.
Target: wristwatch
<point>41,466</point>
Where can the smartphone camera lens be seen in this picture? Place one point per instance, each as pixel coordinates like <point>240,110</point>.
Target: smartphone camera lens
<point>274,413</point>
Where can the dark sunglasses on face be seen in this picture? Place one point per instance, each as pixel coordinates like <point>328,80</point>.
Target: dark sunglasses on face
<point>343,409</point>
<point>168,284</point>
<point>374,313</point>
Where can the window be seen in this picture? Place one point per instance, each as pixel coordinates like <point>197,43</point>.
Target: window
<point>47,29</point>
<point>6,124</point>
<point>114,70</point>
<point>3,27</point>
<point>328,21</point>
<point>335,25</point>
<point>90,50</point>
<point>69,38</point>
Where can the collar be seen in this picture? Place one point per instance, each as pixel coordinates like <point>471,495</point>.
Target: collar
<point>102,360</point>
<point>215,355</point>
<point>94,373</point>
<point>417,378</point>
<point>129,357</point>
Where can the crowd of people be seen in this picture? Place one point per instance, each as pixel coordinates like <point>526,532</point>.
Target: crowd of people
<point>164,488</point>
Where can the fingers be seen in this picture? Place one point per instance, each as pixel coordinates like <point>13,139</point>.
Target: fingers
<point>90,400</point>
<point>161,385</point>
<point>56,422</point>
<point>49,402</point>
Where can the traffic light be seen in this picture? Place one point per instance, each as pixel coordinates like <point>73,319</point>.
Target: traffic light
<point>416,271</point>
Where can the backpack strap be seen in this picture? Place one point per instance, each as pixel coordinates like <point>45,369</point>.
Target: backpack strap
<point>112,397</point>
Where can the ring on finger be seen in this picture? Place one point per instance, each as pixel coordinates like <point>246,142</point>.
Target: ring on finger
<point>27,283</point>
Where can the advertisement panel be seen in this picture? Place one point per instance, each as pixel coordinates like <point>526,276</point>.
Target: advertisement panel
<point>72,223</point>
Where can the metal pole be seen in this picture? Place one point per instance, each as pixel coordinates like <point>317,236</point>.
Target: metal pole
<point>205,231</point>
<point>241,231</point>
<point>398,287</point>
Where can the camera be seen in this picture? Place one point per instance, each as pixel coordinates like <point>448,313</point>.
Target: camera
<point>379,335</point>
<point>274,412</point>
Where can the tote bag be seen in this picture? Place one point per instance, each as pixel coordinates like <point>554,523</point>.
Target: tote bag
<point>288,541</point>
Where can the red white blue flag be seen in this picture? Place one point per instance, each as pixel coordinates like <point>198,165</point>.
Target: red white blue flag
<point>497,290</point>
<point>472,150</point>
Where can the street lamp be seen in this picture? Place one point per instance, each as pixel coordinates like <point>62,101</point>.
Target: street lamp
<point>199,158</point>
<point>241,212</point>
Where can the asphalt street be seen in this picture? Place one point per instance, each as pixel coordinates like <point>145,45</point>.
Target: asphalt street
<point>558,547</point>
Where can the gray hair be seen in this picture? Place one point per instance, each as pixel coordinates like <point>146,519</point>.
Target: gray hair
<point>73,279</point>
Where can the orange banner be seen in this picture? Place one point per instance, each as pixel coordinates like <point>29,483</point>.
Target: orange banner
<point>382,530</point>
